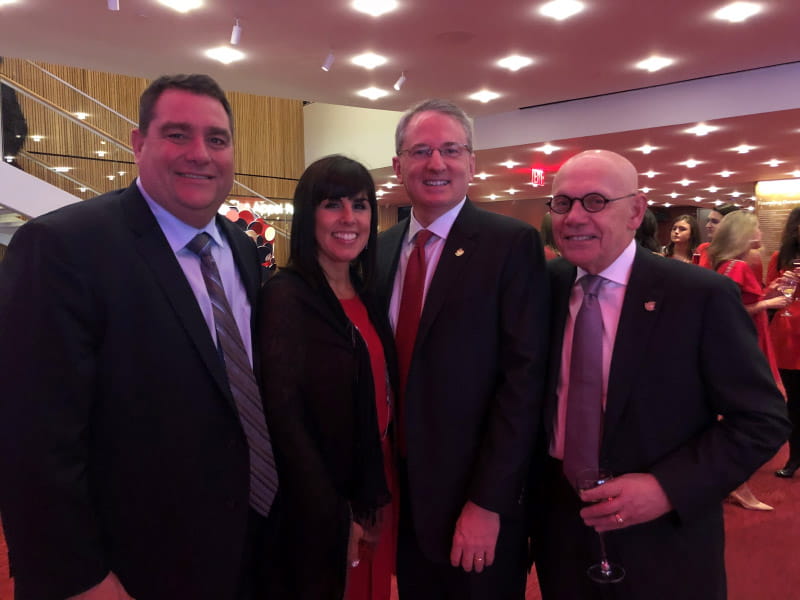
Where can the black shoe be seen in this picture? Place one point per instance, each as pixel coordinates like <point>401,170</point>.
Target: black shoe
<point>788,471</point>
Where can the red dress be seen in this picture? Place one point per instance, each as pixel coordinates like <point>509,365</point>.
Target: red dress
<point>785,331</point>
<point>752,292</point>
<point>372,578</point>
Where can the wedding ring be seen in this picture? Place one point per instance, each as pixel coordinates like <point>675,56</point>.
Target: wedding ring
<point>620,520</point>
<point>478,559</point>
<point>355,563</point>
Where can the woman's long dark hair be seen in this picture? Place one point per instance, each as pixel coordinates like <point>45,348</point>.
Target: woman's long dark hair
<point>694,235</point>
<point>790,241</point>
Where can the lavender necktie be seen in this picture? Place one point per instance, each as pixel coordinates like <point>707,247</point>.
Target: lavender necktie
<point>584,422</point>
<point>242,382</point>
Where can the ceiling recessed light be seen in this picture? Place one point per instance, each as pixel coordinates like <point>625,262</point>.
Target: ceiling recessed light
<point>62,169</point>
<point>651,173</point>
<point>484,96</point>
<point>650,203</point>
<point>8,158</point>
<point>492,196</point>
<point>100,153</point>
<point>774,162</point>
<point>646,190</point>
<point>514,62</point>
<point>743,148</point>
<point>380,193</point>
<point>482,175</point>
<point>390,184</point>
<point>120,173</point>
<point>735,194</point>
<point>713,189</point>
<point>509,164</point>
<point>561,9</point>
<point>725,173</point>
<point>110,177</point>
<point>547,148</point>
<point>646,149</point>
<point>225,54</point>
<point>37,138</point>
<point>82,189</point>
<point>654,63</point>
<point>717,202</point>
<point>369,60</point>
<point>375,8</point>
<point>736,12</point>
<point>690,163</point>
<point>512,191</point>
<point>182,6</point>
<point>750,208</point>
<point>684,182</point>
<point>373,93</point>
<point>2,2</point>
<point>697,198</point>
<point>674,195</point>
<point>795,173</point>
<point>667,204</point>
<point>701,129</point>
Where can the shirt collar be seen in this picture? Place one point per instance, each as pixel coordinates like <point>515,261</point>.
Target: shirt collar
<point>440,227</point>
<point>177,232</point>
<point>620,270</point>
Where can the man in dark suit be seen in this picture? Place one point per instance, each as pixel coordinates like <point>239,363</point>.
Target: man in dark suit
<point>471,357</point>
<point>125,469</point>
<point>677,350</point>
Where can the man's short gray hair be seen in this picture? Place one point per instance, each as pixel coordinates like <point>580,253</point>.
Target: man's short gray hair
<point>444,107</point>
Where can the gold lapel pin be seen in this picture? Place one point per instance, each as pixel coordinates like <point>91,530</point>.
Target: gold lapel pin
<point>650,306</point>
<point>460,252</point>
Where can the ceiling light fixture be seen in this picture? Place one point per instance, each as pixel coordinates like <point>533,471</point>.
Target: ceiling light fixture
<point>112,4</point>
<point>684,182</point>
<point>773,162</point>
<point>654,63</point>
<point>697,198</point>
<point>674,195</point>
<point>667,204</point>
<point>713,189</point>
<point>482,175</point>
<point>651,173</point>
<point>492,196</point>
<point>646,190</point>
<point>515,62</point>
<point>646,149</point>
<point>400,81</point>
<point>547,148</point>
<point>717,202</point>
<point>701,129</point>
<point>795,173</point>
<point>735,194</point>
<point>484,96</point>
<point>380,193</point>
<point>512,191</point>
<point>182,6</point>
<point>561,9</point>
<point>390,184</point>
<point>372,93</point>
<point>690,163</point>
<point>236,33</point>
<point>369,60</point>
<point>509,164</point>
<point>736,12</point>
<point>37,138</point>
<point>62,169</point>
<point>326,66</point>
<point>650,203</point>
<point>81,115</point>
<point>374,8</point>
<point>725,173</point>
<point>100,153</point>
<point>224,54</point>
<point>743,148</point>
<point>110,177</point>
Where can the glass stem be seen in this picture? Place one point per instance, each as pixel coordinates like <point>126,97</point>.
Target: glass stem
<point>605,567</point>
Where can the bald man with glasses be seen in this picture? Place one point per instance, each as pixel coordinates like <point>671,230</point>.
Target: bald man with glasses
<point>645,354</point>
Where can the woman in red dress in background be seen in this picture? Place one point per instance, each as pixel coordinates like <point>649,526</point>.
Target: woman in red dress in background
<point>736,236</point>
<point>784,270</point>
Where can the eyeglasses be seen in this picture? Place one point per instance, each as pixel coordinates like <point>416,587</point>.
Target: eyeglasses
<point>450,151</point>
<point>592,203</point>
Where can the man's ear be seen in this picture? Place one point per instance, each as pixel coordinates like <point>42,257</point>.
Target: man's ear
<point>137,140</point>
<point>638,208</point>
<point>397,170</point>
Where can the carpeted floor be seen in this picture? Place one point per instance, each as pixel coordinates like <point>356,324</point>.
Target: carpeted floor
<point>760,545</point>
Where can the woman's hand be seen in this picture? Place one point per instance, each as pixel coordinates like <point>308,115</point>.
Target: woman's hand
<point>356,535</point>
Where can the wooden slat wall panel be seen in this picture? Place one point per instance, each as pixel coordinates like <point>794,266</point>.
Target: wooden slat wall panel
<point>269,131</point>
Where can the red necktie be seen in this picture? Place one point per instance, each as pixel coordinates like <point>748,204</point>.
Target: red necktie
<point>408,322</point>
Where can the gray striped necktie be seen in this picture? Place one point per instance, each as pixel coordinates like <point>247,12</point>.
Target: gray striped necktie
<point>584,422</point>
<point>263,475</point>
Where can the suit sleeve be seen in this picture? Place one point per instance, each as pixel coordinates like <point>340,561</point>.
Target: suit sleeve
<point>740,388</point>
<point>514,414</point>
<point>49,334</point>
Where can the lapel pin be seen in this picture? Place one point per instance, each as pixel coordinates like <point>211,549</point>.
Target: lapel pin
<point>460,252</point>
<point>650,306</point>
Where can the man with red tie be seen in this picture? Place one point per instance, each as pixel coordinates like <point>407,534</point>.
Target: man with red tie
<point>467,297</point>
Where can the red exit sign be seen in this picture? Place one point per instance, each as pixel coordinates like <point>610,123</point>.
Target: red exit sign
<point>537,177</point>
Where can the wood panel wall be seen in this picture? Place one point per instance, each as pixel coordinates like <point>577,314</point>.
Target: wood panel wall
<point>268,133</point>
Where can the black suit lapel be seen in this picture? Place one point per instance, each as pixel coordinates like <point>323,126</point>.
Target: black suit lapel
<point>562,277</point>
<point>640,310</point>
<point>461,244</point>
<point>151,244</point>
<point>389,245</point>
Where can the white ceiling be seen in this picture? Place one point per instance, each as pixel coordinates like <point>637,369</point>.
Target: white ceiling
<point>448,49</point>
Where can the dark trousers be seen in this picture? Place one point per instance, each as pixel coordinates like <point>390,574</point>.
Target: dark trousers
<point>791,381</point>
<point>419,578</point>
<point>261,555</point>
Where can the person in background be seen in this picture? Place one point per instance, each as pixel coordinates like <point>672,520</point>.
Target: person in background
<point>546,231</point>
<point>134,457</point>
<point>784,271</point>
<point>613,400</point>
<point>684,238</point>
<point>735,237</point>
<point>466,292</point>
<point>715,216</point>
<point>647,231</point>
<point>325,345</point>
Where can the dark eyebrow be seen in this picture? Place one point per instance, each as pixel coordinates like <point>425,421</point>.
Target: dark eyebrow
<point>183,126</point>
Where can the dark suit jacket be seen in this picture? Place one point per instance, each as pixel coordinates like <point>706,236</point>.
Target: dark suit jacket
<point>474,388</point>
<point>120,446</point>
<point>685,352</point>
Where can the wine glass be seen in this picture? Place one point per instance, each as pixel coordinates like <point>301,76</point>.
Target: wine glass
<point>788,287</point>
<point>604,571</point>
